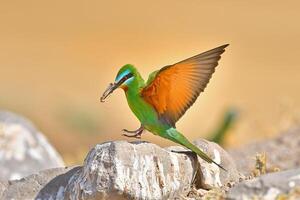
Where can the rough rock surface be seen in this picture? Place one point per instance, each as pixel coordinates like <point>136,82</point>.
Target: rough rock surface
<point>29,187</point>
<point>270,186</point>
<point>122,170</point>
<point>144,171</point>
<point>23,149</point>
<point>282,152</point>
<point>212,176</point>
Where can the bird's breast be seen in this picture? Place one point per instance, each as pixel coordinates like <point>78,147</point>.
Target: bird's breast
<point>142,110</point>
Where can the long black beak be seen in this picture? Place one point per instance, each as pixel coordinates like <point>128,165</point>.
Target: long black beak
<point>113,86</point>
<point>108,91</point>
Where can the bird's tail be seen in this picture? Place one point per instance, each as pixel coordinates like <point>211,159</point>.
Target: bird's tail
<point>175,136</point>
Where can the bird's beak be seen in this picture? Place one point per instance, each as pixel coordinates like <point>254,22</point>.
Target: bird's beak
<point>109,90</point>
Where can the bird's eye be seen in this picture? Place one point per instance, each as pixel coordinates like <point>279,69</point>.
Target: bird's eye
<point>129,75</point>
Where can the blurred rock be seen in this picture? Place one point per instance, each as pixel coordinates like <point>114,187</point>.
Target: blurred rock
<point>282,152</point>
<point>271,186</point>
<point>140,170</point>
<point>29,187</point>
<point>23,149</point>
<point>3,187</point>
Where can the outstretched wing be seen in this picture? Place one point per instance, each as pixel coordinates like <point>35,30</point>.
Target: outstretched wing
<point>176,87</point>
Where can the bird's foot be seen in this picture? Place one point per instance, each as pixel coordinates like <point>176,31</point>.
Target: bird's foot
<point>127,131</point>
<point>136,134</point>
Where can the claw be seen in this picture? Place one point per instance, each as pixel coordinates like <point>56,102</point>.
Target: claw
<point>127,131</point>
<point>136,134</point>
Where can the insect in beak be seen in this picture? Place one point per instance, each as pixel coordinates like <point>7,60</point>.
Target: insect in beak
<point>109,90</point>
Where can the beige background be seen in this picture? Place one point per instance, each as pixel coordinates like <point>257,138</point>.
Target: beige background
<point>57,57</point>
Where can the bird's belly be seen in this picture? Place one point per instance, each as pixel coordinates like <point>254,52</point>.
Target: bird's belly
<point>144,112</point>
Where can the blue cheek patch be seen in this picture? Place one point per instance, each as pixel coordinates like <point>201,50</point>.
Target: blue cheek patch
<point>120,76</point>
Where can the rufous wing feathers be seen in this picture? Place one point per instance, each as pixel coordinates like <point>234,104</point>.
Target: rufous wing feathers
<point>176,87</point>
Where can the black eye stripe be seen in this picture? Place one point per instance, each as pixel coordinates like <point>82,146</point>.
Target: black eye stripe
<point>129,75</point>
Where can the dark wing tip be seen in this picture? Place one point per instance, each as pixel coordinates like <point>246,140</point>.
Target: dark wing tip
<point>222,46</point>
<point>217,49</point>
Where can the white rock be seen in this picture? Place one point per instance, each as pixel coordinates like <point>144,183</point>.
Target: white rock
<point>23,149</point>
<point>123,170</point>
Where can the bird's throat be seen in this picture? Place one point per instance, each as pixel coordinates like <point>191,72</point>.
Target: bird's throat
<point>124,87</point>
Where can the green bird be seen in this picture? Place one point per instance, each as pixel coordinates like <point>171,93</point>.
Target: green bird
<point>169,92</point>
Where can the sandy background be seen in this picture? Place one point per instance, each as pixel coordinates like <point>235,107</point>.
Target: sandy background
<point>57,57</point>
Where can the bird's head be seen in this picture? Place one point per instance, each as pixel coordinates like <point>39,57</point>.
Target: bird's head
<point>124,78</point>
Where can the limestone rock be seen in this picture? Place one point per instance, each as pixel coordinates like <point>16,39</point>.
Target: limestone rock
<point>146,171</point>
<point>270,186</point>
<point>212,175</point>
<point>23,149</point>
<point>140,170</point>
<point>29,187</point>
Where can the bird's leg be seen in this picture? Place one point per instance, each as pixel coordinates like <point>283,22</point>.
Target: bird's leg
<point>136,134</point>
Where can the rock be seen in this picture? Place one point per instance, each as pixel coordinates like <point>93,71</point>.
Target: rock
<point>140,170</point>
<point>23,149</point>
<point>145,171</point>
<point>29,187</point>
<point>3,187</point>
<point>282,152</point>
<point>270,186</point>
<point>55,189</point>
<point>212,176</point>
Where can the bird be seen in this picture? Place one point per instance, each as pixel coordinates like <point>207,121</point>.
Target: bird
<point>168,93</point>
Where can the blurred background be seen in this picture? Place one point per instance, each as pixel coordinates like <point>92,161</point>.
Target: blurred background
<point>57,57</point>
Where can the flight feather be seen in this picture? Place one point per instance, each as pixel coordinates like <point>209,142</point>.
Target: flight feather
<point>174,88</point>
